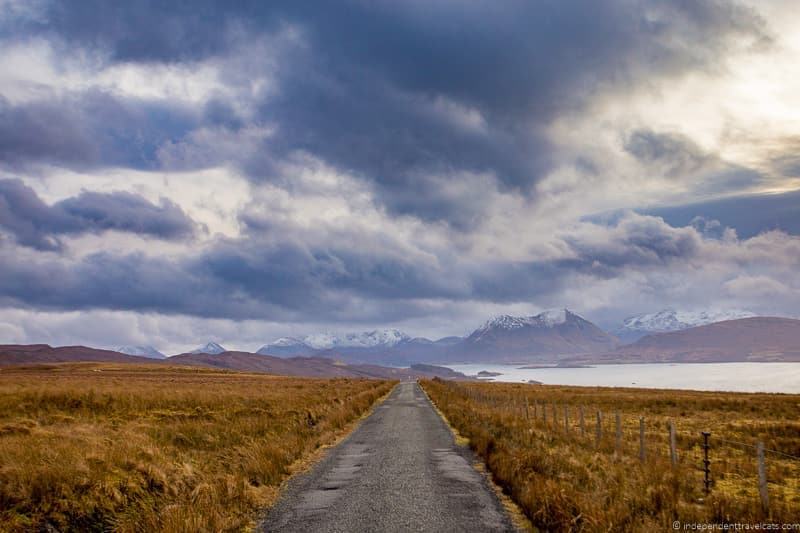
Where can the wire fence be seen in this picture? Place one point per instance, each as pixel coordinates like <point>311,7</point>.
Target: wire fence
<point>749,469</point>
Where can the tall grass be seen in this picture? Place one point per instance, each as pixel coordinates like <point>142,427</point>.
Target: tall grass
<point>564,481</point>
<point>98,447</point>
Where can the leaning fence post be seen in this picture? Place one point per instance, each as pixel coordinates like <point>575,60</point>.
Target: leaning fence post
<point>599,431</point>
<point>673,453</point>
<point>535,409</point>
<point>618,440</point>
<point>527,413</point>
<point>566,418</point>
<point>582,423</point>
<point>706,463</point>
<point>762,478</point>
<point>642,452</point>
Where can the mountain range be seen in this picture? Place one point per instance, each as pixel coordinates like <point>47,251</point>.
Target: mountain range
<point>552,337</point>
<point>546,336</point>
<point>562,336</point>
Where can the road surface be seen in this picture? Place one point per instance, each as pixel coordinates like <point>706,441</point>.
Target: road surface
<point>400,470</point>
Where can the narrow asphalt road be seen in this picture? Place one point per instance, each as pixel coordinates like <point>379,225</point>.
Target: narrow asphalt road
<point>399,471</point>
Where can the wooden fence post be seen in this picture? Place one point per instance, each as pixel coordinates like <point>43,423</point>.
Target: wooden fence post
<point>566,418</point>
<point>582,422</point>
<point>673,452</point>
<point>544,413</point>
<point>618,439</point>
<point>527,413</point>
<point>642,453</point>
<point>555,415</point>
<point>762,479</point>
<point>599,431</point>
<point>706,463</point>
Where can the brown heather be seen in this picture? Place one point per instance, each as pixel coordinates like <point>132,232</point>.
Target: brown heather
<point>563,482</point>
<point>98,447</point>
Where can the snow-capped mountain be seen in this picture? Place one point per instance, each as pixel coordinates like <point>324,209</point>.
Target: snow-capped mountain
<point>385,338</point>
<point>545,319</point>
<point>143,351</point>
<point>544,336</point>
<point>635,327</point>
<point>211,348</point>
<point>547,335</point>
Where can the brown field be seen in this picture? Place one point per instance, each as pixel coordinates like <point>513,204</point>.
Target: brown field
<point>564,482</point>
<point>103,446</point>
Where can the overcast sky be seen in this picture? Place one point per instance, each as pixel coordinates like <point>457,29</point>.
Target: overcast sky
<point>177,172</point>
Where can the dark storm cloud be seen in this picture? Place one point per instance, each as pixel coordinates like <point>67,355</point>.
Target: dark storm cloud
<point>251,278</point>
<point>88,129</point>
<point>519,65</point>
<point>43,132</point>
<point>634,242</point>
<point>248,281</point>
<point>35,224</point>
<point>380,89</point>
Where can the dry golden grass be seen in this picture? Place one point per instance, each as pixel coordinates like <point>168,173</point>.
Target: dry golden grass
<point>564,482</point>
<point>98,447</point>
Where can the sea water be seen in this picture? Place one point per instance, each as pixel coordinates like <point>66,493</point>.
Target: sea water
<point>739,377</point>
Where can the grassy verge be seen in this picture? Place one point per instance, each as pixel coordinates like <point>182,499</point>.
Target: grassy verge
<point>98,447</point>
<point>565,480</point>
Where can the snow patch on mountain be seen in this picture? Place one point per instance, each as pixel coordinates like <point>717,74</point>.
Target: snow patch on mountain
<point>549,318</point>
<point>286,341</point>
<point>546,319</point>
<point>674,320</point>
<point>211,348</point>
<point>329,341</point>
<point>142,351</point>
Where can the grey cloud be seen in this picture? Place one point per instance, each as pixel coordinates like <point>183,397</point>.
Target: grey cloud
<point>633,242</point>
<point>43,132</point>
<point>34,223</point>
<point>749,215</point>
<point>346,98</point>
<point>89,129</point>
<point>678,154</point>
<point>252,278</point>
<point>360,86</point>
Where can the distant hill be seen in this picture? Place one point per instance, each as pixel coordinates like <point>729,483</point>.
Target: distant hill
<point>243,361</point>
<point>44,353</point>
<point>308,366</point>
<point>759,339</point>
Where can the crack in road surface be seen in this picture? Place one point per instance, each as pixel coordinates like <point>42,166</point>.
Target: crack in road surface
<point>399,471</point>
